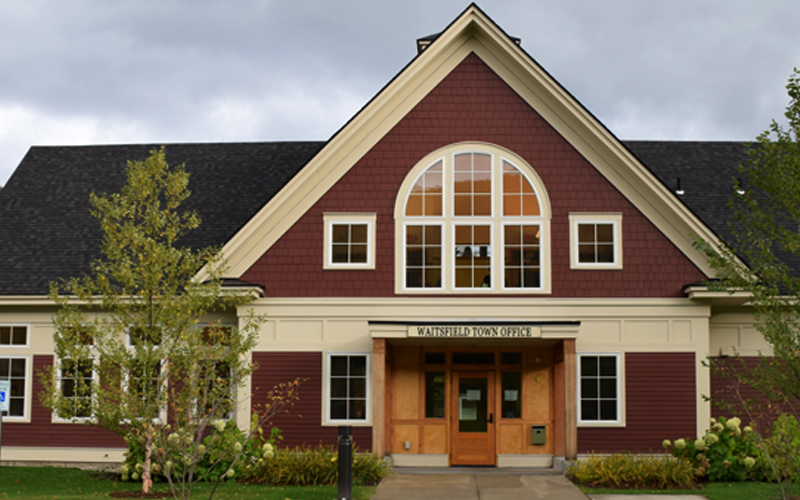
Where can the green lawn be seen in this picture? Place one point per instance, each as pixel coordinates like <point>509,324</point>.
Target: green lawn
<point>713,491</point>
<point>49,483</point>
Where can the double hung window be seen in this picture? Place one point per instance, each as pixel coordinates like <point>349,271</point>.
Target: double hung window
<point>472,218</point>
<point>15,370</point>
<point>348,388</point>
<point>599,387</point>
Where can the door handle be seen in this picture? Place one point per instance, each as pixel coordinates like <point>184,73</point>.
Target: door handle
<point>491,418</point>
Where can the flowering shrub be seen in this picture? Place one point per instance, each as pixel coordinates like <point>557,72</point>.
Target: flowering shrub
<point>222,453</point>
<point>725,453</point>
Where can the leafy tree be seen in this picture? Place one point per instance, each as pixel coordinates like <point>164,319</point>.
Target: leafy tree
<point>764,253</point>
<point>136,352</point>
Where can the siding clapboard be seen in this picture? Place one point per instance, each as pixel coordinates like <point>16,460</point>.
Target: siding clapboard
<point>660,403</point>
<point>301,426</point>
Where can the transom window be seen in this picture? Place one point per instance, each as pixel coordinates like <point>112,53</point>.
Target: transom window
<point>13,335</point>
<point>472,218</point>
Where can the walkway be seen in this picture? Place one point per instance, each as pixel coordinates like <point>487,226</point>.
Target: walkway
<point>491,484</point>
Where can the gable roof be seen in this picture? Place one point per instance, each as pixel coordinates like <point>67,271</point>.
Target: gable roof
<point>47,232</point>
<point>471,33</point>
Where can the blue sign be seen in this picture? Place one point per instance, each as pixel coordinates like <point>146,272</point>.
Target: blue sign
<point>5,389</point>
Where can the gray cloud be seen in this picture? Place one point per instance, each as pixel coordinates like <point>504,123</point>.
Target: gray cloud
<point>89,71</point>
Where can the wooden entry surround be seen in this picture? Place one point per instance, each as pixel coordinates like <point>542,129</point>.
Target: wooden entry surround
<point>406,424</point>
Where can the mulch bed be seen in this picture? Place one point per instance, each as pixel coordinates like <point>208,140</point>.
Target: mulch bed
<point>139,494</point>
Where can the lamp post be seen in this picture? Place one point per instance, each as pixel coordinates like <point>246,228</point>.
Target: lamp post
<point>345,463</point>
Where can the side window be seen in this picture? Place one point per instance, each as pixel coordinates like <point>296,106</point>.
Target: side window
<point>15,369</point>
<point>13,335</point>
<point>75,378</point>
<point>349,241</point>
<point>348,388</point>
<point>595,241</point>
<point>599,381</point>
<point>217,376</point>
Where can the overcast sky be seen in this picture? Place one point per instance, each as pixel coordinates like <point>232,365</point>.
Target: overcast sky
<point>106,72</point>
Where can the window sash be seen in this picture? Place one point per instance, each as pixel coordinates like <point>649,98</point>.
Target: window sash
<point>599,388</point>
<point>348,388</point>
<point>14,335</point>
<point>16,369</point>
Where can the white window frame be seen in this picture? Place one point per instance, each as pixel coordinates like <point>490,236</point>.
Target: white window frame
<point>27,336</point>
<point>162,412</point>
<point>326,393</point>
<point>95,376</point>
<point>620,420</point>
<point>234,390</point>
<point>26,406</point>
<point>576,219</point>
<point>332,219</point>
<point>448,221</point>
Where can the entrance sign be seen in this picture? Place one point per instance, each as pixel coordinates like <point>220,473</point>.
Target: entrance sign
<point>5,391</point>
<point>476,331</point>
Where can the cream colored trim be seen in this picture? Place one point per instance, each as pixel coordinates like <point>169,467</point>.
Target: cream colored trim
<point>543,461</point>
<point>472,32</point>
<point>418,460</point>
<point>718,298</point>
<point>448,221</point>
<point>25,300</point>
<point>576,219</point>
<point>65,455</point>
<point>348,218</point>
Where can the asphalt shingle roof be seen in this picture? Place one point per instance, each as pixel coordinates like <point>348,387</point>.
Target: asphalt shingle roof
<point>47,232</point>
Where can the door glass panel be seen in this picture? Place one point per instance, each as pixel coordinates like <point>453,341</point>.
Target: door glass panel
<point>434,394</point>
<point>472,405</point>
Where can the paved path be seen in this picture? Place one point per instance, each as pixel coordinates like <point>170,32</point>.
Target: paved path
<point>492,484</point>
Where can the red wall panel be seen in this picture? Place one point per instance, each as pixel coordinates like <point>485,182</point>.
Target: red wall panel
<point>473,104</point>
<point>660,403</point>
<point>731,397</point>
<point>301,426</point>
<point>41,431</point>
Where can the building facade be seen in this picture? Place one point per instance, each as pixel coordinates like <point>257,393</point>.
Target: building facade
<point>472,271</point>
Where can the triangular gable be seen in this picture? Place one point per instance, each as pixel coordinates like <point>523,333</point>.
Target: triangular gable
<point>471,32</point>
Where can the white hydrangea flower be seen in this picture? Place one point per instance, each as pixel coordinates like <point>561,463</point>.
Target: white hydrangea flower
<point>749,462</point>
<point>230,473</point>
<point>733,424</point>
<point>666,444</point>
<point>700,444</point>
<point>711,438</point>
<point>219,425</point>
<point>680,444</point>
<point>748,430</point>
<point>237,447</point>
<point>268,451</point>
<point>718,427</point>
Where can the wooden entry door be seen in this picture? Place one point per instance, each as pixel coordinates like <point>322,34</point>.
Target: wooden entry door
<point>473,420</point>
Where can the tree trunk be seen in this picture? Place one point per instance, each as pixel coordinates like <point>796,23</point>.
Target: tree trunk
<point>147,481</point>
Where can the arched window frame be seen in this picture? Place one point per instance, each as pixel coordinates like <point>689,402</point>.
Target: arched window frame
<point>448,222</point>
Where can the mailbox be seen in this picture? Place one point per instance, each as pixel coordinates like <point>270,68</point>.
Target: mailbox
<point>538,434</point>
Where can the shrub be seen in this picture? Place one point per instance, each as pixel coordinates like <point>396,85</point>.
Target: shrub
<point>725,453</point>
<point>313,466</point>
<point>780,453</point>
<point>633,471</point>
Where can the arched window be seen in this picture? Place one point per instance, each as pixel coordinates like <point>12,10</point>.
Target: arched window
<point>472,218</point>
